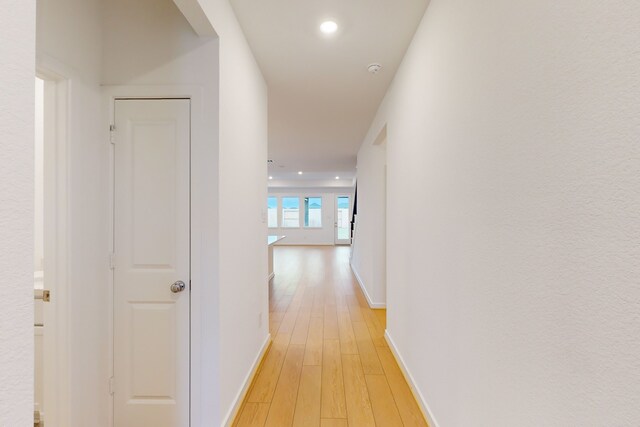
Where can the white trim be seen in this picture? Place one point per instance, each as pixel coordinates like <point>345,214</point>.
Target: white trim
<point>57,86</point>
<point>372,304</point>
<point>237,402</point>
<point>303,244</point>
<point>198,140</point>
<point>422,402</point>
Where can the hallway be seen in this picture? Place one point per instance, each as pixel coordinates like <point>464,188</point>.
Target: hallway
<point>329,363</point>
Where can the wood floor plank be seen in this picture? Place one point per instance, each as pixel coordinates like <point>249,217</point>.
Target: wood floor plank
<point>307,413</point>
<point>384,407</point>
<point>333,399</point>
<point>313,349</point>
<point>318,304</point>
<point>288,322</point>
<point>281,305</point>
<point>347,338</point>
<point>329,294</point>
<point>276,316</point>
<point>359,411</point>
<point>286,393</point>
<point>333,422</point>
<point>381,315</point>
<point>354,309</point>
<point>273,328</point>
<point>375,328</point>
<point>406,403</point>
<point>296,301</point>
<point>307,300</point>
<point>301,329</point>
<point>253,415</point>
<point>331,331</point>
<point>342,301</point>
<point>266,380</point>
<point>362,300</point>
<point>366,349</point>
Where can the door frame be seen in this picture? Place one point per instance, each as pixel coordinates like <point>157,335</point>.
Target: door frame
<point>57,87</point>
<point>197,302</point>
<point>335,213</point>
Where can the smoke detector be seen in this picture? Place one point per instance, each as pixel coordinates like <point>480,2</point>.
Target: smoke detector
<point>374,68</point>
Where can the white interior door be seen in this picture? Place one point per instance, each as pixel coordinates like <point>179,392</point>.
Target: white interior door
<point>151,257</point>
<point>343,220</point>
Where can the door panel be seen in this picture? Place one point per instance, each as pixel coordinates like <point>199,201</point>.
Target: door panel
<point>151,245</point>
<point>343,221</point>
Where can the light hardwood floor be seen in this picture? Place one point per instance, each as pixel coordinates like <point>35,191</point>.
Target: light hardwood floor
<point>329,364</point>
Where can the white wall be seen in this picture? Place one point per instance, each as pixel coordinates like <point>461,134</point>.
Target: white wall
<point>514,212</point>
<point>310,236</point>
<point>242,256</point>
<point>38,230</point>
<point>69,44</point>
<point>368,255</point>
<point>17,51</point>
<point>149,42</point>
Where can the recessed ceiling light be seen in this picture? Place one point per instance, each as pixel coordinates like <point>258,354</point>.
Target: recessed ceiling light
<point>337,177</point>
<point>299,172</point>
<point>270,177</point>
<point>328,27</point>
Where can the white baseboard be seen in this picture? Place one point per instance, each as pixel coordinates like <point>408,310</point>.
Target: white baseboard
<point>372,304</point>
<point>303,244</point>
<point>426,411</point>
<point>237,403</point>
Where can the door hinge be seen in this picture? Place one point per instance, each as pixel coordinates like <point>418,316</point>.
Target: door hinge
<point>112,386</point>
<point>112,261</point>
<point>112,134</point>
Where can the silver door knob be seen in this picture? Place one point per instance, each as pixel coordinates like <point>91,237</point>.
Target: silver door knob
<point>178,286</point>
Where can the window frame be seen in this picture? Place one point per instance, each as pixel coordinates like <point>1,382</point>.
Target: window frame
<point>310,227</point>
<point>277,212</point>
<point>282,211</point>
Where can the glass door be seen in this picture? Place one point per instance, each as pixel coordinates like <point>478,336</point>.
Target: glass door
<point>343,220</point>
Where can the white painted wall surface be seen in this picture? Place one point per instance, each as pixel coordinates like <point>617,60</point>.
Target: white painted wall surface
<point>69,43</point>
<point>242,190</point>
<point>38,230</point>
<point>149,42</point>
<point>514,212</point>
<point>368,256</point>
<point>17,30</point>
<point>304,235</point>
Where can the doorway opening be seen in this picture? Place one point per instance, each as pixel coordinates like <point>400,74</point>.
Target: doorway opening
<point>50,248</point>
<point>343,220</point>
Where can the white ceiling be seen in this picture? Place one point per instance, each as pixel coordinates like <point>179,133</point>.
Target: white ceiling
<point>322,99</point>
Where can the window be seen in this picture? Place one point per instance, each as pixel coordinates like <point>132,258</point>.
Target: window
<point>313,211</point>
<point>272,212</point>
<point>343,220</point>
<point>290,212</point>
